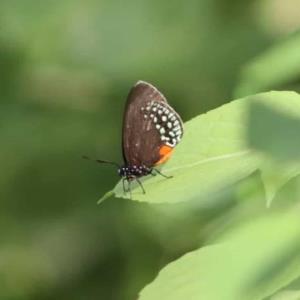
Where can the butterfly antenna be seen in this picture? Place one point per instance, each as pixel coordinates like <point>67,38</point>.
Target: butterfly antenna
<point>100,161</point>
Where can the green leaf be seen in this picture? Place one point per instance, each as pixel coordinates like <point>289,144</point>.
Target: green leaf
<point>275,175</point>
<point>215,154</point>
<point>287,295</point>
<point>274,129</point>
<point>236,266</point>
<point>277,66</point>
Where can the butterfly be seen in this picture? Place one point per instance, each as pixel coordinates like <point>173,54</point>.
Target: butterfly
<point>151,131</point>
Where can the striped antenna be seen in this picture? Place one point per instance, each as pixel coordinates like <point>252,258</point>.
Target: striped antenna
<point>100,161</point>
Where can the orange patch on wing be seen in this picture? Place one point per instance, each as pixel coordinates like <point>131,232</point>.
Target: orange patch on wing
<point>165,153</point>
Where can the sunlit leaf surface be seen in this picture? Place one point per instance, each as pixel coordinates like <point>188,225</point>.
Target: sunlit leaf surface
<point>237,266</point>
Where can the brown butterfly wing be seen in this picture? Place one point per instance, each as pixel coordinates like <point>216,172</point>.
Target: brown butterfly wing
<point>147,126</point>
<point>141,140</point>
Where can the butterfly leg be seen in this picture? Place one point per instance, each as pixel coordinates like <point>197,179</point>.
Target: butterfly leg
<point>141,185</point>
<point>160,173</point>
<point>152,173</point>
<point>123,183</point>
<point>129,188</point>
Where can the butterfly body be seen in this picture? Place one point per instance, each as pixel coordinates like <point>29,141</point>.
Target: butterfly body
<point>133,172</point>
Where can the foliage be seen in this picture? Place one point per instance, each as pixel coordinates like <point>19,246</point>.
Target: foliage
<point>243,263</point>
<point>277,67</point>
<point>225,226</point>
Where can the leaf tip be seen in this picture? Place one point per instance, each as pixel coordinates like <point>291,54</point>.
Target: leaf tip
<point>105,196</point>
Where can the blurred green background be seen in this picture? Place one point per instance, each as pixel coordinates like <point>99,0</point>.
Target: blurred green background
<point>65,70</point>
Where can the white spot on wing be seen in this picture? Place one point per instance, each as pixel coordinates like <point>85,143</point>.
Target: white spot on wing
<point>162,130</point>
